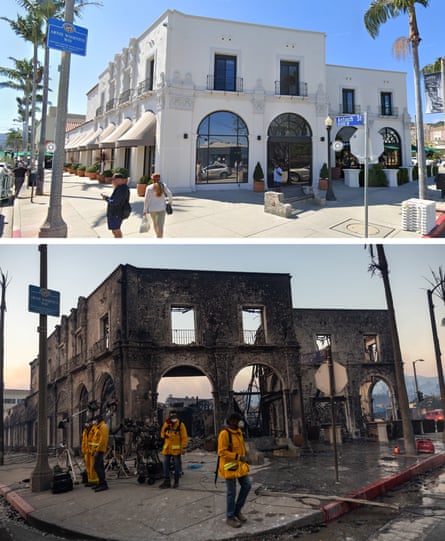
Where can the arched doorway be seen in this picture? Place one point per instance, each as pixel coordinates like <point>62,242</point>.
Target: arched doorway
<point>377,400</point>
<point>222,149</point>
<point>189,391</point>
<point>258,396</point>
<point>289,143</point>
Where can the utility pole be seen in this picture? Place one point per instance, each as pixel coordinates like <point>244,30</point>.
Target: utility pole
<point>3,284</point>
<point>408,435</point>
<point>41,476</point>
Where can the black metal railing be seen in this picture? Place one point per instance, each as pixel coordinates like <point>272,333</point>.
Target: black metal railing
<point>145,86</point>
<point>286,89</point>
<point>234,84</point>
<point>125,96</point>
<point>110,105</point>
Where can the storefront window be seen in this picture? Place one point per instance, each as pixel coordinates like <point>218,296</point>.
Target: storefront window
<point>222,152</point>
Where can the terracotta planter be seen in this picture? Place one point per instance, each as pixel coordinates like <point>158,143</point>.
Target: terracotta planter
<point>91,176</point>
<point>323,184</point>
<point>140,189</point>
<point>80,173</point>
<point>258,186</point>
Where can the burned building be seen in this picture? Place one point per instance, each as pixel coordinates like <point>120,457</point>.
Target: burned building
<point>141,324</point>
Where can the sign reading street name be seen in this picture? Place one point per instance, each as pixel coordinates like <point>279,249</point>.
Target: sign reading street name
<point>349,120</point>
<point>44,301</point>
<point>67,37</point>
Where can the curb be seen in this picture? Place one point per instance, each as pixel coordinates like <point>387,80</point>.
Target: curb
<point>332,511</point>
<point>19,504</point>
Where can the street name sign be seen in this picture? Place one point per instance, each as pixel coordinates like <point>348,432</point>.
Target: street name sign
<point>349,120</point>
<point>67,37</point>
<point>44,301</point>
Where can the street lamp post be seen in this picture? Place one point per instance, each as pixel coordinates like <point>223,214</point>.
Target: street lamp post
<point>437,347</point>
<point>330,195</point>
<point>415,378</point>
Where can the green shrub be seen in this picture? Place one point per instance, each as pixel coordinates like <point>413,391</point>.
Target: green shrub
<point>108,173</point>
<point>258,174</point>
<point>376,177</point>
<point>81,167</point>
<point>92,169</point>
<point>324,172</point>
<point>121,170</point>
<point>402,176</point>
<point>145,179</point>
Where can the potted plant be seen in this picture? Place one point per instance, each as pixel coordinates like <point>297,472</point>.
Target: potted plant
<point>141,186</point>
<point>66,167</point>
<point>74,167</point>
<point>258,178</point>
<point>91,172</point>
<point>81,170</point>
<point>121,170</point>
<point>107,174</point>
<point>324,177</point>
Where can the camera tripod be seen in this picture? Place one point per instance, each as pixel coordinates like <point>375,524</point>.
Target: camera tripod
<point>65,459</point>
<point>115,460</point>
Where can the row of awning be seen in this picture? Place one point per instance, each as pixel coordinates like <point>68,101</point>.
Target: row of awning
<point>126,134</point>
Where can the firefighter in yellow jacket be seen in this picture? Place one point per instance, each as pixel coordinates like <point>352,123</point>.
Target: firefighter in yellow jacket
<point>100,446</point>
<point>87,451</point>
<point>174,434</point>
<point>232,466</point>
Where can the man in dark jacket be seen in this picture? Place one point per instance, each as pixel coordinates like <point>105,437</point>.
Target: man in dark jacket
<point>118,204</point>
<point>19,175</point>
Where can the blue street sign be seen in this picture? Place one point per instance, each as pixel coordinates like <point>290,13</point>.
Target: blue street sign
<point>349,120</point>
<point>67,37</point>
<point>44,301</point>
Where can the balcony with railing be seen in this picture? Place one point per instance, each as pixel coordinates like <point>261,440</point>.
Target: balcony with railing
<point>254,337</point>
<point>183,337</point>
<point>389,111</point>
<point>344,109</point>
<point>145,86</point>
<point>125,96</point>
<point>100,111</point>
<point>110,105</point>
<point>299,90</point>
<point>100,347</point>
<point>234,84</point>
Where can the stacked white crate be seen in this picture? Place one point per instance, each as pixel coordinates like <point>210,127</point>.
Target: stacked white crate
<point>418,215</point>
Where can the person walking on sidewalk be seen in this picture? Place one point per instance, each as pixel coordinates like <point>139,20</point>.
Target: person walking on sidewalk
<point>118,208</point>
<point>100,446</point>
<point>174,434</point>
<point>20,173</point>
<point>233,467</point>
<point>277,176</point>
<point>157,195</point>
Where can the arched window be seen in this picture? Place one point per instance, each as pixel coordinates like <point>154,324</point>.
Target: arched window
<point>392,154</point>
<point>222,150</point>
<point>289,125</point>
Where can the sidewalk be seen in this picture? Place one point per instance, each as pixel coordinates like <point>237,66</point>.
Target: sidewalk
<point>222,214</point>
<point>287,492</point>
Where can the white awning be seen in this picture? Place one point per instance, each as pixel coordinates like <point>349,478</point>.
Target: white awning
<point>105,133</point>
<point>79,142</point>
<point>110,141</point>
<point>91,139</point>
<point>74,140</point>
<point>141,134</point>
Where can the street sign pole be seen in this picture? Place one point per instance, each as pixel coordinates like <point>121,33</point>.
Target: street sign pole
<point>54,225</point>
<point>41,476</point>
<point>366,179</point>
<point>332,393</point>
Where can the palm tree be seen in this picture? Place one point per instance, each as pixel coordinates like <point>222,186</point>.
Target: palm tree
<point>20,78</point>
<point>434,67</point>
<point>381,265</point>
<point>379,13</point>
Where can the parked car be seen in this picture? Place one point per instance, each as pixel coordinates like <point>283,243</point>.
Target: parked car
<point>299,174</point>
<point>216,170</point>
<point>434,415</point>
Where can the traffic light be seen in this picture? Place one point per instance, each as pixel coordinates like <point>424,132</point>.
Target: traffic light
<point>419,396</point>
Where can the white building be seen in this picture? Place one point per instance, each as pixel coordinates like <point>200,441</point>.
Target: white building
<point>227,95</point>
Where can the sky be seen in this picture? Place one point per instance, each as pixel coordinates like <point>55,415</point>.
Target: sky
<point>323,276</point>
<point>111,26</point>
